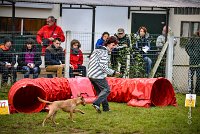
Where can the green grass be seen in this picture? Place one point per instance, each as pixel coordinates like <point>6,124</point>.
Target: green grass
<point>122,119</point>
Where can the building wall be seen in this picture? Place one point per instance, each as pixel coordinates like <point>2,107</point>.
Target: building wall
<point>6,11</point>
<point>107,19</point>
<point>180,74</point>
<point>175,21</point>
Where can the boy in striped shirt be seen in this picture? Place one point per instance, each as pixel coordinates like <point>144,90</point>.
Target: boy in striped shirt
<point>98,70</point>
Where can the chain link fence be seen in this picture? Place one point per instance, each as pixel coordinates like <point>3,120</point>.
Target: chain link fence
<point>186,60</point>
<point>135,64</point>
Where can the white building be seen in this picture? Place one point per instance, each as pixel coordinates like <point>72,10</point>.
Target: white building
<point>31,16</point>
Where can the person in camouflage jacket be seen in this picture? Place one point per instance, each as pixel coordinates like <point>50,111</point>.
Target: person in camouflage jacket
<point>119,54</point>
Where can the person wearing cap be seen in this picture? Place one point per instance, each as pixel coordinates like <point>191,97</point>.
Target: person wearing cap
<point>7,61</point>
<point>98,70</point>
<point>120,51</point>
<point>29,59</point>
<point>122,38</point>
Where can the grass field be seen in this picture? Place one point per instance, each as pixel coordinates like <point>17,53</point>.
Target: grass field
<point>122,119</point>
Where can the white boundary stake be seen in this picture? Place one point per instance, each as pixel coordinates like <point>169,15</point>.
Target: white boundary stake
<point>67,53</point>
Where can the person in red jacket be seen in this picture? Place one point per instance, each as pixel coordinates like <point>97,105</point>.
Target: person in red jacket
<point>48,33</point>
<point>76,59</point>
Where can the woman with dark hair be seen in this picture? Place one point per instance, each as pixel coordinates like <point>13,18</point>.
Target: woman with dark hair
<point>98,70</point>
<point>103,38</point>
<point>29,60</point>
<point>143,46</point>
<point>76,59</point>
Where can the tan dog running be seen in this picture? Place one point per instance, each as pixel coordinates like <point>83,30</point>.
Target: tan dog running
<point>66,105</point>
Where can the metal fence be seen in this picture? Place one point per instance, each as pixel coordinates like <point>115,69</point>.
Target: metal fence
<point>135,66</point>
<point>185,64</point>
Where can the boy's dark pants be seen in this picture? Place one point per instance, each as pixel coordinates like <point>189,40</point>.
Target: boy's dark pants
<point>102,89</point>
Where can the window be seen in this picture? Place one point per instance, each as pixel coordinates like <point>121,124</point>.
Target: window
<point>23,26</point>
<point>31,26</point>
<point>189,28</point>
<point>6,24</point>
<point>186,11</point>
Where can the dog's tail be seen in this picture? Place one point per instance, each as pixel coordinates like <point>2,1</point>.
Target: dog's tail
<point>41,100</point>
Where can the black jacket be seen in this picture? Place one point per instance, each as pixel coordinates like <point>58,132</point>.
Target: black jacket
<point>123,40</point>
<point>142,42</point>
<point>54,55</point>
<point>7,56</point>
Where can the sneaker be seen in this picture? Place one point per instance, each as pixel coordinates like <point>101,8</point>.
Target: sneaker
<point>97,108</point>
<point>107,110</point>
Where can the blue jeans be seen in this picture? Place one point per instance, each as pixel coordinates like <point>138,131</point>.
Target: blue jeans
<point>103,90</point>
<point>148,63</point>
<point>28,71</point>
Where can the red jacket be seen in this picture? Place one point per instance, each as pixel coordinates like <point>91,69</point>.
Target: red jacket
<point>46,31</point>
<point>76,60</point>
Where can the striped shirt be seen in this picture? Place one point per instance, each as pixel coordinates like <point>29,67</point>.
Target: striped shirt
<point>98,64</point>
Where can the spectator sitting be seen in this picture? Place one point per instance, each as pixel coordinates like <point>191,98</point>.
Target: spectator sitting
<point>101,41</point>
<point>160,41</point>
<point>122,38</point>
<point>48,33</point>
<point>143,46</point>
<point>7,61</point>
<point>76,59</point>
<point>29,60</point>
<point>55,58</point>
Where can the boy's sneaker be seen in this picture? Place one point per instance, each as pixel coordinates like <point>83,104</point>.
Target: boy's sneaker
<point>107,110</point>
<point>97,108</point>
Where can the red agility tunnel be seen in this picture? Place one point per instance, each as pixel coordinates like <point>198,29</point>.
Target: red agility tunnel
<point>23,94</point>
<point>142,92</point>
<point>82,86</point>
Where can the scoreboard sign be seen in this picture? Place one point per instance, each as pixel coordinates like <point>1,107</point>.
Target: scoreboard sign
<point>4,108</point>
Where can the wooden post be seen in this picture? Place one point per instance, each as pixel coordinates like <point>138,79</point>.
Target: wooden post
<point>160,56</point>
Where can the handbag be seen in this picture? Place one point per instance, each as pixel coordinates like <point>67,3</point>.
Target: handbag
<point>46,41</point>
